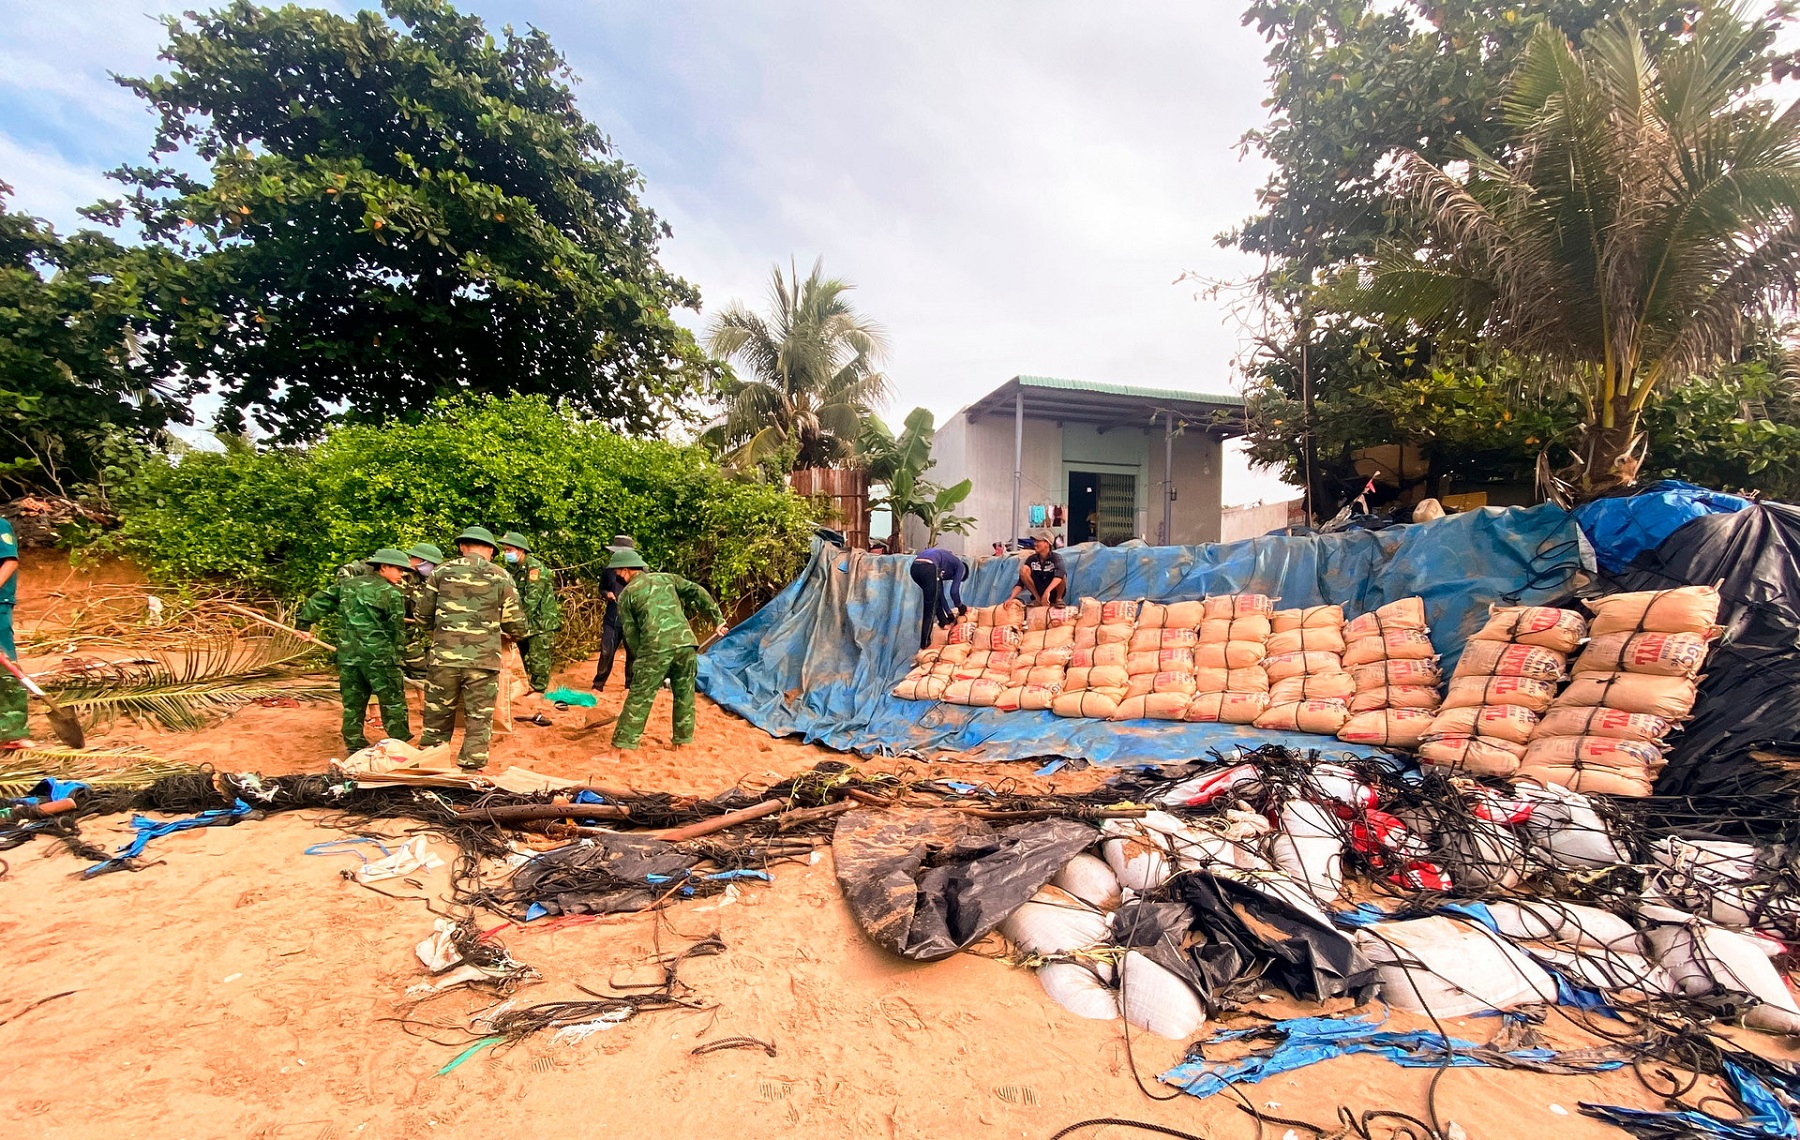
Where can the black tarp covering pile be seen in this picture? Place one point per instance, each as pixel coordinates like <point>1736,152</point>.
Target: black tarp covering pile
<point>1750,698</point>
<point>926,884</point>
<point>1224,932</point>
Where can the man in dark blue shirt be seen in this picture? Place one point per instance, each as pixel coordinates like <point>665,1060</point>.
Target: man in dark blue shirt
<point>1043,576</point>
<point>939,575</point>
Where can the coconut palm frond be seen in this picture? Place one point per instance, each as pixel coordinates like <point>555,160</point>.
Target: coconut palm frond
<point>178,703</point>
<point>131,767</point>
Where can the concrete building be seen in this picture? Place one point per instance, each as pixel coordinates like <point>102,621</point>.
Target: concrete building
<point>1120,462</point>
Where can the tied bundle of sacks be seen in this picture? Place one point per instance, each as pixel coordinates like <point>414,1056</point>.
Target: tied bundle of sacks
<point>1309,688</point>
<point>1506,679</point>
<point>1097,678</point>
<point>1395,669</point>
<point>1040,668</point>
<point>1231,680</point>
<point>1633,683</point>
<point>993,634</point>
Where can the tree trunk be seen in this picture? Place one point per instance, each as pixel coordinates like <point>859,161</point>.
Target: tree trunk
<point>1612,454</point>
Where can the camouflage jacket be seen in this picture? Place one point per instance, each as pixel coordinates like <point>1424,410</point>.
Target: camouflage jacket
<point>468,603</point>
<point>654,612</point>
<point>536,584</point>
<point>370,610</point>
<point>409,586</point>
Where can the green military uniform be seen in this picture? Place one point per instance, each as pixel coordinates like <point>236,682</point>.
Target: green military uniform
<point>371,615</point>
<point>653,616</point>
<point>468,603</point>
<point>536,584</point>
<point>14,709</point>
<point>417,650</point>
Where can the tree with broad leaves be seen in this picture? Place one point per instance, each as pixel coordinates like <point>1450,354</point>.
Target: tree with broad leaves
<point>1651,203</point>
<point>899,463</point>
<point>80,389</point>
<point>396,207</point>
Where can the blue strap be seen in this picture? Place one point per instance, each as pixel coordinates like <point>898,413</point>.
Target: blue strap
<point>148,829</point>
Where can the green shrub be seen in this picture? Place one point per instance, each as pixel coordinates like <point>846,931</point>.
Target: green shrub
<point>283,519</point>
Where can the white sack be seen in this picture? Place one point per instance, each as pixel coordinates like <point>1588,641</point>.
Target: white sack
<point>1451,969</point>
<point>1081,991</point>
<point>1054,922</point>
<point>1157,1001</point>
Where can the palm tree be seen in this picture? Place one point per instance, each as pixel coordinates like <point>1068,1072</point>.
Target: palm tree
<point>812,371</point>
<point>1651,205</point>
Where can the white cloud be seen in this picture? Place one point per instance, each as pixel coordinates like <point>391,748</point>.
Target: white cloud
<point>48,185</point>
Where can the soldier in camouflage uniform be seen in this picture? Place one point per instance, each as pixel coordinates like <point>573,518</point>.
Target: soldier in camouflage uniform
<point>653,616</point>
<point>469,604</point>
<point>371,623</point>
<point>425,558</point>
<point>536,584</point>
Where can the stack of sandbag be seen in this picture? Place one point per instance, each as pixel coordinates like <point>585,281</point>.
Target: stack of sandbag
<point>922,682</point>
<point>1042,660</point>
<point>1309,688</point>
<point>1096,679</point>
<point>986,671</point>
<point>1635,681</point>
<point>1506,679</point>
<point>1230,684</point>
<point>1160,662</point>
<point>1389,655</point>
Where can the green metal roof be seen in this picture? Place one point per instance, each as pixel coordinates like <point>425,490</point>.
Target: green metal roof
<point>1107,406</point>
<point>1131,390</point>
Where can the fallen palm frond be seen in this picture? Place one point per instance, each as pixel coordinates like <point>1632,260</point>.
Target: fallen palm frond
<point>136,617</point>
<point>130,767</point>
<point>146,693</point>
<point>186,686</point>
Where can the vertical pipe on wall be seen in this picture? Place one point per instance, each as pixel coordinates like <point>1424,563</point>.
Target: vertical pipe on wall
<point>1018,461</point>
<point>1168,523</point>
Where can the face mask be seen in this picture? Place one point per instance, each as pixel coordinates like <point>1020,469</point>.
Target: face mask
<point>425,569</point>
<point>512,556</point>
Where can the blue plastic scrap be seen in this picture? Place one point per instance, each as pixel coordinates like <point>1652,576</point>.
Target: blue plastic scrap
<point>1764,1117</point>
<point>1622,528</point>
<point>1306,1041</point>
<point>148,829</point>
<point>821,659</point>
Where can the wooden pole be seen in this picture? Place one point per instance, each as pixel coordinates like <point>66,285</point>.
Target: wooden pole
<point>721,822</point>
<point>246,611</point>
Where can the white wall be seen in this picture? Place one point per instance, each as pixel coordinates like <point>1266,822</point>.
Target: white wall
<point>983,452</point>
<point>1258,519</point>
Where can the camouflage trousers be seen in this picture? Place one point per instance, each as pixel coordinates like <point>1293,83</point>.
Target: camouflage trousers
<point>476,690</point>
<point>647,673</point>
<point>356,684</point>
<point>538,657</point>
<point>416,654</point>
<point>14,705</point>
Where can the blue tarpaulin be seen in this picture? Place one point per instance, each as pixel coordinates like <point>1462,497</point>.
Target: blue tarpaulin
<point>820,660</point>
<point>1304,1041</point>
<point>1622,528</point>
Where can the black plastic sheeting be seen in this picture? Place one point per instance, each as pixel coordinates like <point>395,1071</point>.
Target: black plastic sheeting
<point>1224,931</point>
<point>615,874</point>
<point>924,885</point>
<point>1750,698</point>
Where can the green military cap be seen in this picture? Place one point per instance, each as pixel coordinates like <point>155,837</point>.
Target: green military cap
<point>426,551</point>
<point>514,539</point>
<point>388,556</point>
<point>622,542</point>
<point>627,560</point>
<point>479,534</point>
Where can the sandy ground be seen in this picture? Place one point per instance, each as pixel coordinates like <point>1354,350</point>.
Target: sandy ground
<point>238,987</point>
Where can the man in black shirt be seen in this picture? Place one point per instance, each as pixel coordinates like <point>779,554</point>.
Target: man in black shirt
<point>1043,575</point>
<point>610,634</point>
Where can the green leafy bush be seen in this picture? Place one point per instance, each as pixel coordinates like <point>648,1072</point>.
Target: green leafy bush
<point>282,519</point>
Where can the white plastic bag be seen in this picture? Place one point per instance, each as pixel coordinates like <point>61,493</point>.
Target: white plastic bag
<point>1054,922</point>
<point>1565,829</point>
<point>1081,989</point>
<point>1089,879</point>
<point>1309,847</point>
<point>1451,969</point>
<point>1579,927</point>
<point>1704,958</point>
<point>1157,1001</point>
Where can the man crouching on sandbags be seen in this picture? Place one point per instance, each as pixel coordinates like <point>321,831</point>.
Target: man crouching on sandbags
<point>1043,576</point>
<point>653,618</point>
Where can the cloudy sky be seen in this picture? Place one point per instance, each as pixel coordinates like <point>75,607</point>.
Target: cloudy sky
<point>1014,187</point>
